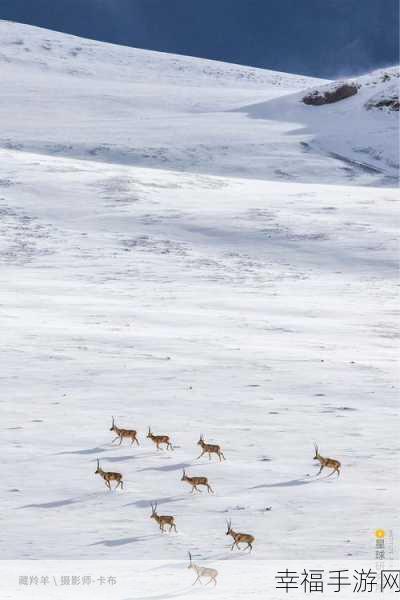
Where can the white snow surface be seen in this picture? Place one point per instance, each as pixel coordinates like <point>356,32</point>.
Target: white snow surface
<point>184,244</point>
<point>347,129</point>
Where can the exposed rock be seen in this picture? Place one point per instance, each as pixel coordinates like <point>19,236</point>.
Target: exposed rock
<point>387,96</point>
<point>332,94</point>
<point>389,103</point>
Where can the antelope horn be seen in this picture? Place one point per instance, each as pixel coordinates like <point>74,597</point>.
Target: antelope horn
<point>190,557</point>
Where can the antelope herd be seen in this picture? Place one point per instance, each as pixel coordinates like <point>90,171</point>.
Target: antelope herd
<point>164,521</point>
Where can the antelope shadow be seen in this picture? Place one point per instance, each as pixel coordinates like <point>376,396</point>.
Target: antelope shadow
<point>167,468</point>
<point>147,503</point>
<point>122,541</point>
<point>55,504</point>
<point>84,451</point>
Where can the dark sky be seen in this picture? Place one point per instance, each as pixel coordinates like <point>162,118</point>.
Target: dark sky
<point>327,38</point>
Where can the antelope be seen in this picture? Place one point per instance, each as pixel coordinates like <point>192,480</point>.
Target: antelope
<point>240,538</point>
<point>203,572</point>
<point>123,433</point>
<point>162,520</point>
<point>109,476</point>
<point>209,449</point>
<point>331,463</point>
<point>196,481</point>
<point>160,439</point>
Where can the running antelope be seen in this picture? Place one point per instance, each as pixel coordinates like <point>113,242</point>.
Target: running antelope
<point>160,439</point>
<point>209,449</point>
<point>240,538</point>
<point>203,572</point>
<point>196,481</point>
<point>124,433</point>
<point>331,463</point>
<point>162,520</point>
<point>109,476</point>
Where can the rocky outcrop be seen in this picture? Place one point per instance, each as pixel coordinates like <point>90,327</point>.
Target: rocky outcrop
<point>385,103</point>
<point>388,97</point>
<point>331,94</point>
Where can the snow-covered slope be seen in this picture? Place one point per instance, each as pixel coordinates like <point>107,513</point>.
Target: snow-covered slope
<point>359,129</point>
<point>259,310</point>
<point>132,106</point>
<point>145,108</point>
<point>71,55</point>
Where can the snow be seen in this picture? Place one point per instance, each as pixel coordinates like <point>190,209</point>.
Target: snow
<point>347,129</point>
<point>177,259</point>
